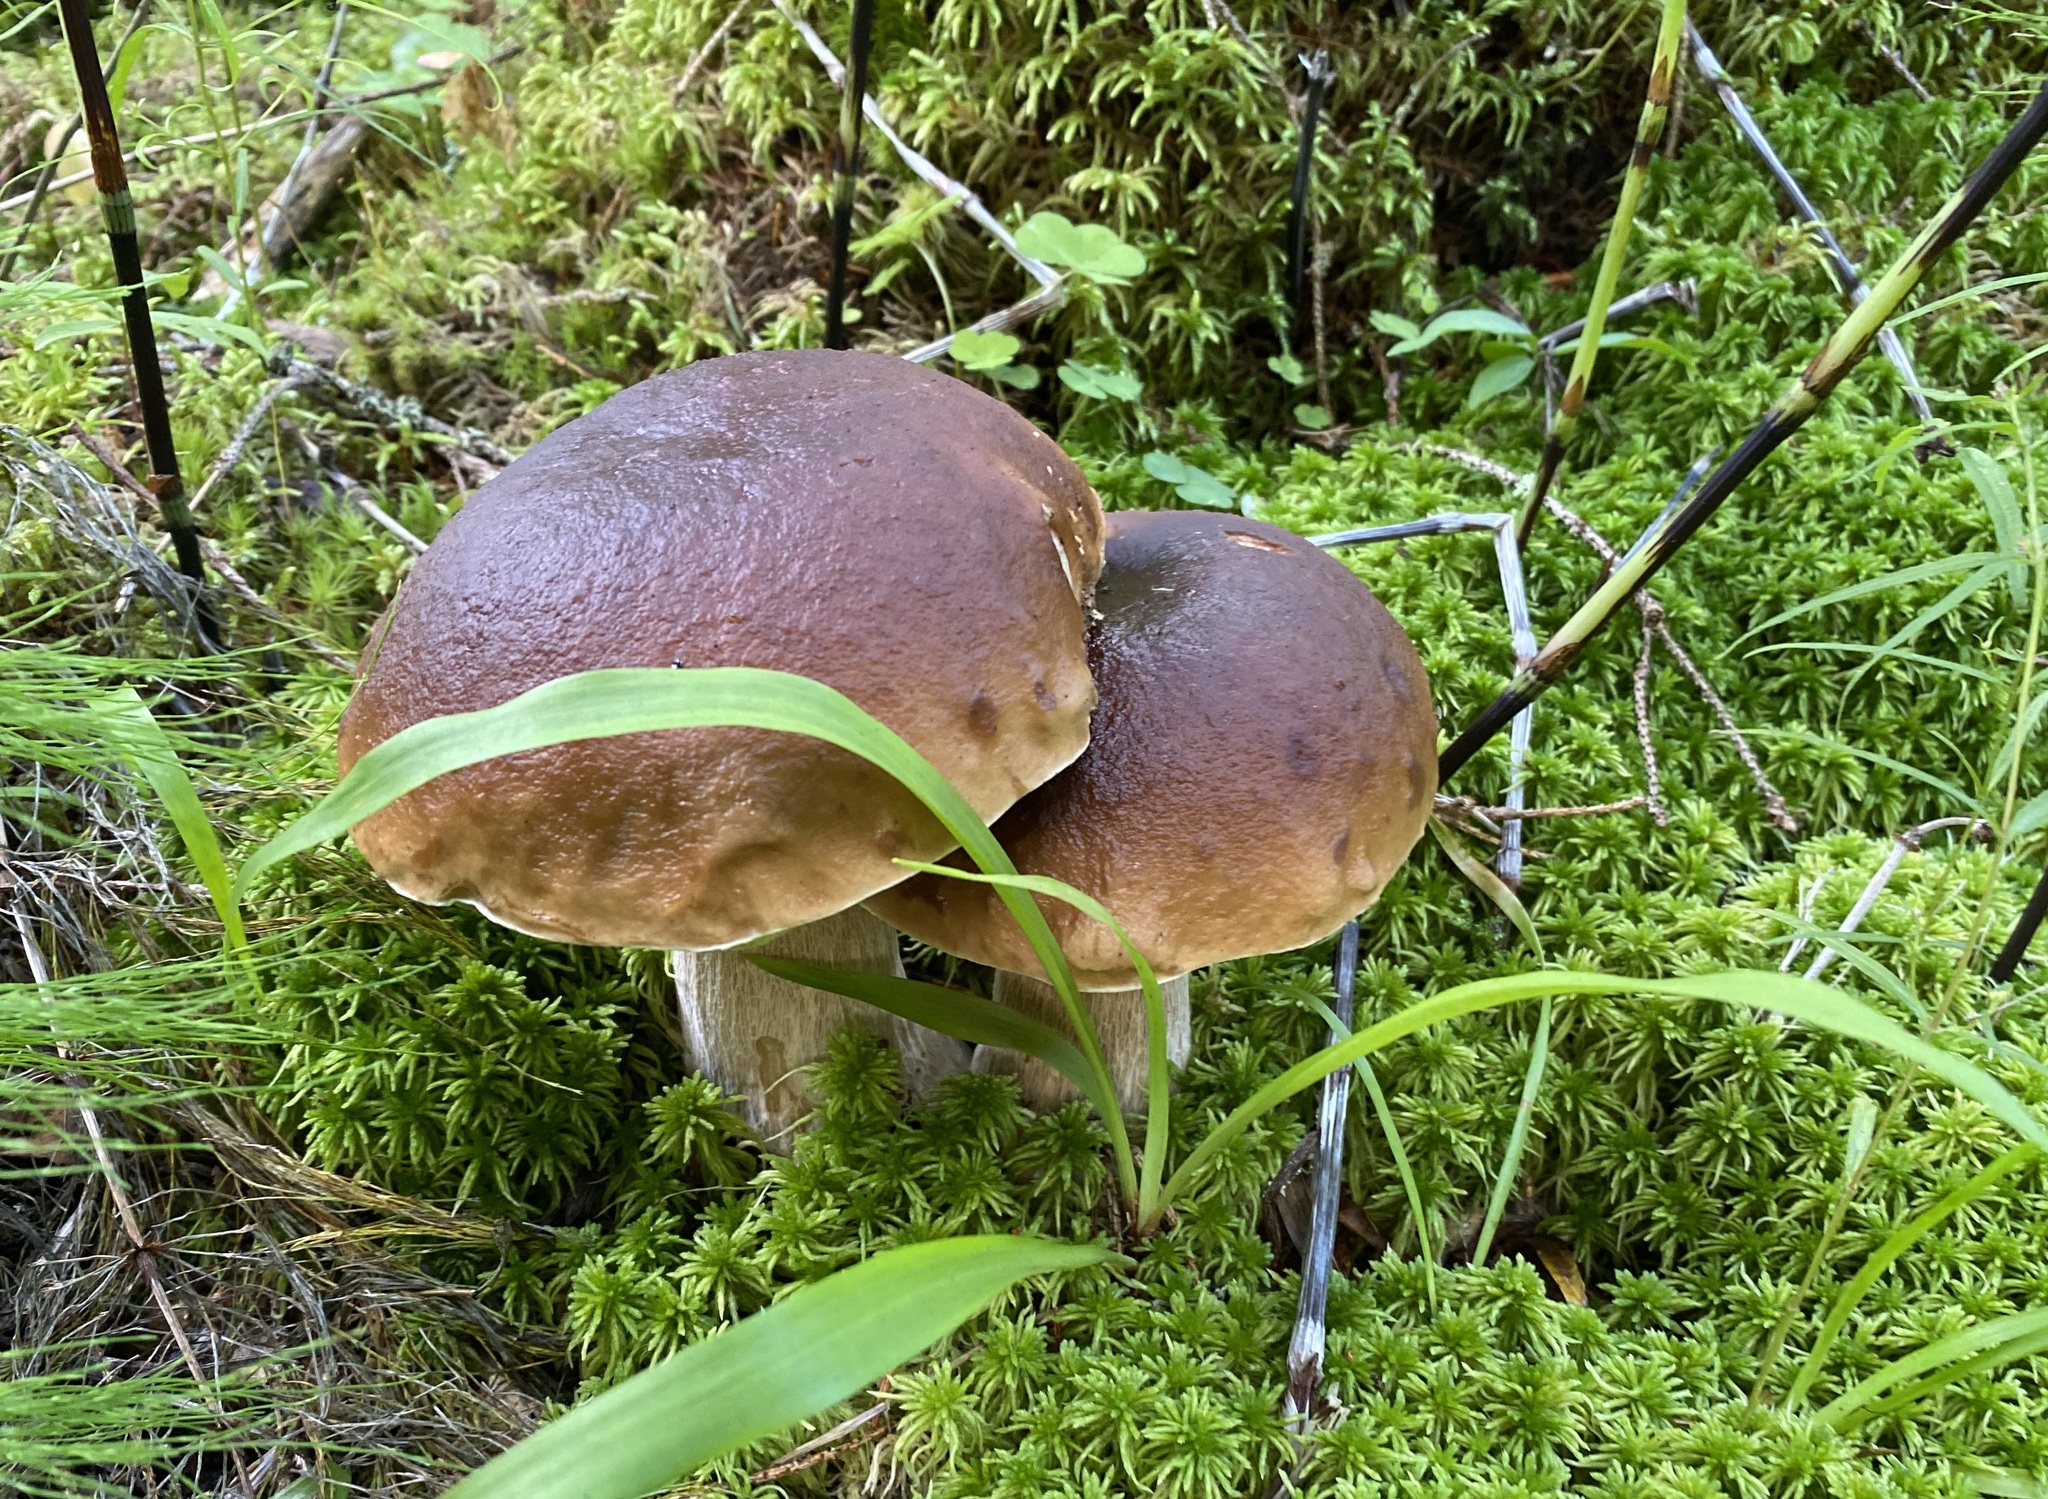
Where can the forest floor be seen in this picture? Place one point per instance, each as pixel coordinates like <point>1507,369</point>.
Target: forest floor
<point>355,1216</point>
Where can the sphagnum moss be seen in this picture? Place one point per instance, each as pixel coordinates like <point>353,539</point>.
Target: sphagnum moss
<point>1687,1158</point>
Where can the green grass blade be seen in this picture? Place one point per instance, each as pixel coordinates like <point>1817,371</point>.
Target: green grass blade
<point>808,1352</point>
<point>1963,800</point>
<point>1518,1136</point>
<point>1396,1148</point>
<point>2019,1342</point>
<point>1919,572</point>
<point>1984,1346</point>
<point>966,1017</point>
<point>638,700</point>
<point>1156,1079</point>
<point>145,744</point>
<point>1812,1003</point>
<point>1983,578</point>
<point>1904,1238</point>
<point>1649,130</point>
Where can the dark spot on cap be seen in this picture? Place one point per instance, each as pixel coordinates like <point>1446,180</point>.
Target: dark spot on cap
<point>982,717</point>
<point>1417,777</point>
<point>1397,679</point>
<point>1302,758</point>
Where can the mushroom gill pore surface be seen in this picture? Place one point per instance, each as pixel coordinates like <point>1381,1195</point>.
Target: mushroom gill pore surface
<point>1263,758</point>
<point>853,518</point>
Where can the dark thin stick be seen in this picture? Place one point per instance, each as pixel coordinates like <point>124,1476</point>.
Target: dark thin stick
<point>2007,963</point>
<point>1305,1349</point>
<point>117,211</point>
<point>1843,349</point>
<point>1649,131</point>
<point>846,167</point>
<point>1898,63</point>
<point>1319,76</point>
<point>1844,269</point>
<point>232,453</point>
<point>46,174</point>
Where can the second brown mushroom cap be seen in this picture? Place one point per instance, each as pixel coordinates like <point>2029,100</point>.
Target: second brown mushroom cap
<point>1261,760</point>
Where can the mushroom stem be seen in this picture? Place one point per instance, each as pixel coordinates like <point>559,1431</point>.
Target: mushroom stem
<point>750,1032</point>
<point>1119,1019</point>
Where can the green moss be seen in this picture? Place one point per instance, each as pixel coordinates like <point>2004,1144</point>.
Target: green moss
<point>1685,1155</point>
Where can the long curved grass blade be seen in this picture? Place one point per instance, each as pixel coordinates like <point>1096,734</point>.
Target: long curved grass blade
<point>1156,1079</point>
<point>1984,1346</point>
<point>1949,789</point>
<point>637,700</point>
<point>806,1353</point>
<point>1983,578</point>
<point>1811,1003</point>
<point>1396,1148</point>
<point>965,1017</point>
<point>1518,1136</point>
<point>1919,572</point>
<point>1904,1238</point>
<point>144,743</point>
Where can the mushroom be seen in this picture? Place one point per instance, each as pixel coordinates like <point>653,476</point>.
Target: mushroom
<point>1262,760</point>
<point>850,517</point>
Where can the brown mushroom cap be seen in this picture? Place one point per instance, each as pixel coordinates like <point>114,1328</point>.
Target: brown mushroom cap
<point>1263,759</point>
<point>854,518</point>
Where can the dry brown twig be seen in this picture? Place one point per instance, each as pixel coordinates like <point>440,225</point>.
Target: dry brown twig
<point>702,55</point>
<point>855,1431</point>
<point>1654,622</point>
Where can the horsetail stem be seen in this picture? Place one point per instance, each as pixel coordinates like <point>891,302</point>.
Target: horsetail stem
<point>1649,130</point>
<point>1319,77</point>
<point>117,212</point>
<point>1844,347</point>
<point>1845,273</point>
<point>846,167</point>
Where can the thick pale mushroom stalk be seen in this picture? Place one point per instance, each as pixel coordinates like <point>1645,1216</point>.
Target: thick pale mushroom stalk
<point>1118,1016</point>
<point>752,1033</point>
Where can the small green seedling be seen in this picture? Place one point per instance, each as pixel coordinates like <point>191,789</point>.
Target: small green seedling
<point>1306,413</point>
<point>1099,383</point>
<point>1091,250</point>
<point>1512,351</point>
<point>1194,485</point>
<point>992,354</point>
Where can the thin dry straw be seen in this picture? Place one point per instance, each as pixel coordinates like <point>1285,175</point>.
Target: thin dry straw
<point>1317,65</point>
<point>1649,130</point>
<point>846,167</point>
<point>117,210</point>
<point>1305,1348</point>
<point>1847,345</point>
<point>1846,275</point>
